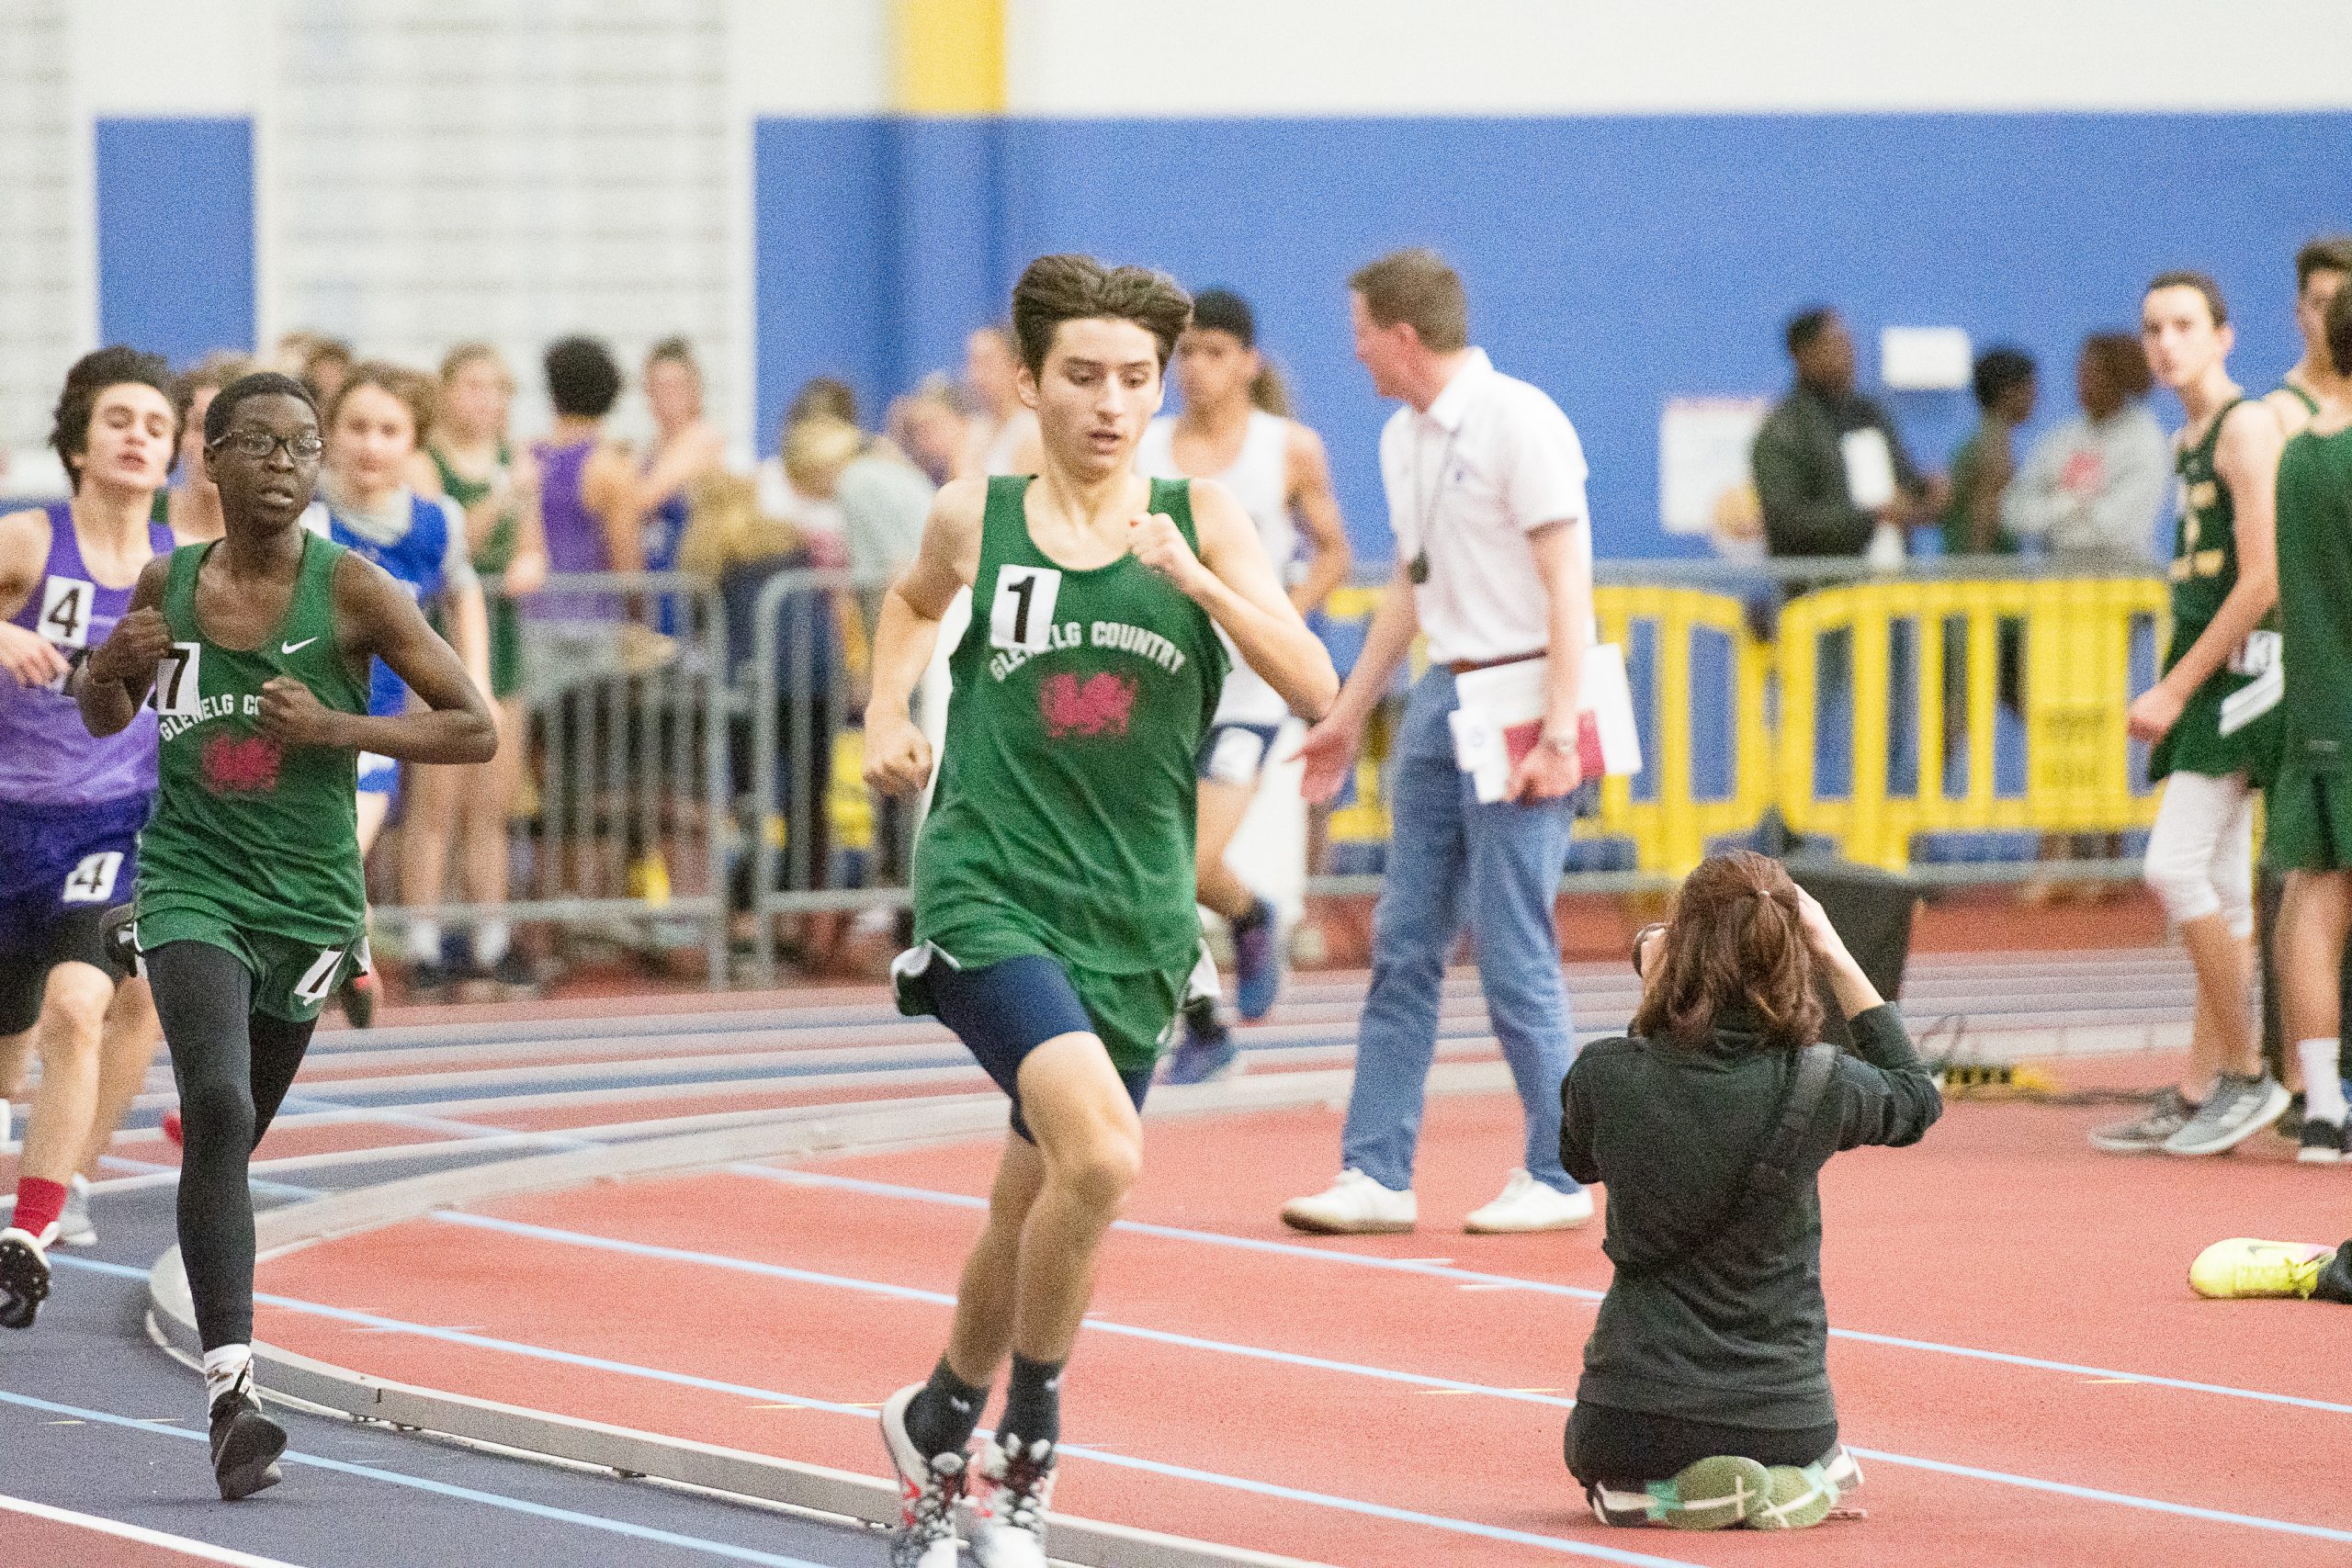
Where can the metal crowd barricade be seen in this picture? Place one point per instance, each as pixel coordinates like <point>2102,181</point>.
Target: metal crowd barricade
<point>803,769</point>
<point>623,803</point>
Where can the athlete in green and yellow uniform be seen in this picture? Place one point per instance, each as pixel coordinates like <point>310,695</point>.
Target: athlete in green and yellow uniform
<point>255,647</point>
<point>1054,881</point>
<point>2211,720</point>
<point>2218,732</point>
<point>2321,267</point>
<point>2310,804</point>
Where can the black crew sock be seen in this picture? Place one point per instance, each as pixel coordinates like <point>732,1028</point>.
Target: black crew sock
<point>940,1419</point>
<point>1201,1014</point>
<point>1259,914</point>
<point>1032,1404</point>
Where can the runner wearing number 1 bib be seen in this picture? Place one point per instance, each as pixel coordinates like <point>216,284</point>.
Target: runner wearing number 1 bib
<point>1054,879</point>
<point>253,652</point>
<point>71,807</point>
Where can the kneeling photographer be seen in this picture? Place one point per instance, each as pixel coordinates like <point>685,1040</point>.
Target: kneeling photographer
<point>1705,1398</point>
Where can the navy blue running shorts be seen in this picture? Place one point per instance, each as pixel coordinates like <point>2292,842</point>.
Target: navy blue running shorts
<point>1004,1011</point>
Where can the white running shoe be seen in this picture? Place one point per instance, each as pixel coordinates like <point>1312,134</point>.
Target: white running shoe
<point>929,1489</point>
<point>1526,1204</point>
<point>1008,1513</point>
<point>73,1226</point>
<point>1356,1205</point>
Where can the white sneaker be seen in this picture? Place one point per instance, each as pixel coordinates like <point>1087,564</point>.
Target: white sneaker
<point>1009,1506</point>
<point>73,1226</point>
<point>1356,1205</point>
<point>1527,1204</point>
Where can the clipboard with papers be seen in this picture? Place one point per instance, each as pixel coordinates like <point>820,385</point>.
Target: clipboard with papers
<point>1499,718</point>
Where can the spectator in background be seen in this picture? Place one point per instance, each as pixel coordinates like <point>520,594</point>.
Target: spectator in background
<point>686,448</point>
<point>2091,490</point>
<point>1982,468</point>
<point>468,459</point>
<point>815,521</point>
<point>1003,438</point>
<point>882,496</point>
<point>929,426</point>
<point>1830,466</point>
<point>323,364</point>
<point>588,512</point>
<point>192,506</point>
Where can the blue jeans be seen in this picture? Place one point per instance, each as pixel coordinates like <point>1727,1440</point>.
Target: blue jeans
<point>1507,858</point>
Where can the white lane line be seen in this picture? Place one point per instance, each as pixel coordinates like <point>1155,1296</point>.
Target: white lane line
<point>203,1551</point>
<point>1553,1543</point>
<point>419,1484</point>
<point>1470,1278</point>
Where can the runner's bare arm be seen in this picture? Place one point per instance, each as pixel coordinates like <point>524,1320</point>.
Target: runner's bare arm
<point>375,616</point>
<point>1234,581</point>
<point>1328,558</point>
<point>27,656</point>
<point>112,682</point>
<point>897,756</point>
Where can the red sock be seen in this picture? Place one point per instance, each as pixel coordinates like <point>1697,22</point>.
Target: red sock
<point>39,1205</point>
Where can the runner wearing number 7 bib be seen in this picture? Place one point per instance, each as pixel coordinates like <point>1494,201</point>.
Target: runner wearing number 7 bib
<point>71,807</point>
<point>253,652</point>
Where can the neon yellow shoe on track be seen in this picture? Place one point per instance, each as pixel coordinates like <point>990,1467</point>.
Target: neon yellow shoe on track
<point>2242,1268</point>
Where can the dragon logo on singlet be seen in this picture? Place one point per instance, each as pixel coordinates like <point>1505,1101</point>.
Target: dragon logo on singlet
<point>240,764</point>
<point>1101,705</point>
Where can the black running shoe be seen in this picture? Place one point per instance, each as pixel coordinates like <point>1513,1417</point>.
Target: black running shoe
<point>118,938</point>
<point>2320,1142</point>
<point>429,980</point>
<point>245,1443</point>
<point>24,1278</point>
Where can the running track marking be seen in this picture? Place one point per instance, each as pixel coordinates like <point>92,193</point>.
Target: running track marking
<point>202,1550</point>
<point>712,1386</point>
<point>1471,1277</point>
<point>1468,1278</point>
<point>1377,1510</point>
<point>419,1484</point>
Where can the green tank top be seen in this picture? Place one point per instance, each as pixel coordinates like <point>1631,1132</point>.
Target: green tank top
<point>2310,404</point>
<point>2204,569</point>
<point>496,552</point>
<point>2315,598</point>
<point>1063,820</point>
<point>265,834</point>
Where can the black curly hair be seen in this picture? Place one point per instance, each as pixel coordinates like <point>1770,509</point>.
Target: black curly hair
<point>115,365</point>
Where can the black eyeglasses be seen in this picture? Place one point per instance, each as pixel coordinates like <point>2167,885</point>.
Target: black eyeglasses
<point>259,444</point>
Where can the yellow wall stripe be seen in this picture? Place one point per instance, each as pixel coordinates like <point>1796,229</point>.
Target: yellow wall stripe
<point>948,56</point>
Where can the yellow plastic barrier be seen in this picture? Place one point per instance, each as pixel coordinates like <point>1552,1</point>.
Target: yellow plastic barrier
<point>1670,831</point>
<point>2074,638</point>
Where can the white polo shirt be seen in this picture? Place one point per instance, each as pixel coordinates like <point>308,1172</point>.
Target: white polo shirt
<point>1493,459</point>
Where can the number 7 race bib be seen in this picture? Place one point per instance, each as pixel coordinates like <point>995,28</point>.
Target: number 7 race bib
<point>1022,615</point>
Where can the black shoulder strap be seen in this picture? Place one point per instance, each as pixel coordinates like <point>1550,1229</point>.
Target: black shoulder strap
<point>1780,1164</point>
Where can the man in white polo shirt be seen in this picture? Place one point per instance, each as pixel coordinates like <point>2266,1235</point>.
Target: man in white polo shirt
<point>1486,498</point>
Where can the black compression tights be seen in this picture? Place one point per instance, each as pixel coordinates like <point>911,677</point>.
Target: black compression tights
<point>233,1066</point>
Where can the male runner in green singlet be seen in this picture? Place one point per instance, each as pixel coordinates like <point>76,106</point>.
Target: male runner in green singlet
<point>250,907</point>
<point>2213,719</point>
<point>2310,803</point>
<point>2321,267</point>
<point>1053,881</point>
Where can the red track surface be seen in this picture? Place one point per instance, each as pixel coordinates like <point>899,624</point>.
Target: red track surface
<point>2003,1233</point>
